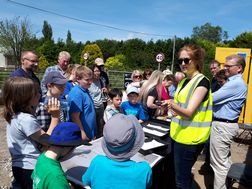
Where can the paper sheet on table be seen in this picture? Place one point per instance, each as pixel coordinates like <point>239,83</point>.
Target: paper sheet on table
<point>154,132</point>
<point>152,158</point>
<point>152,144</point>
<point>158,127</point>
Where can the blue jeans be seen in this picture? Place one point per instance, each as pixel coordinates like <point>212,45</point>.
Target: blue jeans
<point>184,158</point>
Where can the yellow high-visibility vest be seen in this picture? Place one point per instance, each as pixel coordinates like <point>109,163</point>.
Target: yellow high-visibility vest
<point>195,130</point>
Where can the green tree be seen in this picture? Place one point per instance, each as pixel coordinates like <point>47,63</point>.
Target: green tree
<point>208,32</point>
<point>151,50</point>
<point>14,35</point>
<point>209,56</point>
<point>75,50</point>
<point>134,52</point>
<point>116,63</point>
<point>47,31</point>
<point>243,40</point>
<point>33,43</point>
<point>94,52</point>
<point>108,47</point>
<point>43,63</point>
<point>50,51</point>
<point>69,40</point>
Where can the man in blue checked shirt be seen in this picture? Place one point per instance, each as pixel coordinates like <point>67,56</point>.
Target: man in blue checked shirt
<point>227,106</point>
<point>63,62</point>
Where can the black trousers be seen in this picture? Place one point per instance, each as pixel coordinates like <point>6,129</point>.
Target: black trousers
<point>22,178</point>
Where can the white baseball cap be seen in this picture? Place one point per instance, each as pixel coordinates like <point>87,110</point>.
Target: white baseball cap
<point>99,62</point>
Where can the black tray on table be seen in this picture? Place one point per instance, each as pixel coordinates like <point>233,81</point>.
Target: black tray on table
<point>158,129</point>
<point>161,121</point>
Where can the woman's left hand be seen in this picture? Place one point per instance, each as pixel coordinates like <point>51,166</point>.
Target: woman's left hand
<point>170,103</point>
<point>163,102</point>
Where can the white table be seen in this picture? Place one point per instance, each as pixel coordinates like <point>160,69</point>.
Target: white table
<point>77,163</point>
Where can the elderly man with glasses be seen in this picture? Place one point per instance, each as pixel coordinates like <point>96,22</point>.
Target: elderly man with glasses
<point>227,106</point>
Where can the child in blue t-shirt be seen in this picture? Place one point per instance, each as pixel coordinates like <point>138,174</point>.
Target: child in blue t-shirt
<point>81,105</point>
<point>132,106</point>
<point>123,137</point>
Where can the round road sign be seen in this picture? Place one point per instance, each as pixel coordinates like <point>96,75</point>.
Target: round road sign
<point>160,57</point>
<point>85,56</point>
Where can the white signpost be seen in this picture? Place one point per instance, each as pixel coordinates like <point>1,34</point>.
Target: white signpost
<point>85,56</point>
<point>159,58</point>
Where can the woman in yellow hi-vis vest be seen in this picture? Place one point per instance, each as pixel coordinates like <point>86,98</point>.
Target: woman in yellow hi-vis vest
<point>192,114</point>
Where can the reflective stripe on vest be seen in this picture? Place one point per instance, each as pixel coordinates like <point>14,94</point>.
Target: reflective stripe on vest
<point>184,105</point>
<point>192,89</point>
<point>201,108</point>
<point>187,123</point>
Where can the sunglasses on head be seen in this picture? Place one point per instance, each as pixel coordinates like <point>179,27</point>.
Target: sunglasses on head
<point>185,60</point>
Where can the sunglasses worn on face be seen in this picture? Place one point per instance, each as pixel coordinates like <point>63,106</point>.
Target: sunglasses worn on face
<point>185,60</point>
<point>138,76</point>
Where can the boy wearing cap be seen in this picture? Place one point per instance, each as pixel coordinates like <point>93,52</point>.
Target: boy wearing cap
<point>55,84</point>
<point>132,106</point>
<point>48,172</point>
<point>123,137</point>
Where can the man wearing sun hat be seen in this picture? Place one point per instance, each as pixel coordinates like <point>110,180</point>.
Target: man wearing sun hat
<point>123,137</point>
<point>48,172</point>
<point>104,76</point>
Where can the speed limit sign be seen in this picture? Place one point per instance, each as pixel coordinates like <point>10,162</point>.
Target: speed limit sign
<point>160,57</point>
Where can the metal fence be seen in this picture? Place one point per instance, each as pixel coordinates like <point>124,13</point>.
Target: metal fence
<point>4,74</point>
<point>116,78</point>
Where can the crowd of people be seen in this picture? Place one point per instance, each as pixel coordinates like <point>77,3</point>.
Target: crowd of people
<point>74,104</point>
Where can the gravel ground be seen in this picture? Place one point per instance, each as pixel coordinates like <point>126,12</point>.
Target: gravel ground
<point>240,153</point>
<point>5,161</point>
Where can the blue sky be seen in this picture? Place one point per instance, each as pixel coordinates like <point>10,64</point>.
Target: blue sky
<point>165,18</point>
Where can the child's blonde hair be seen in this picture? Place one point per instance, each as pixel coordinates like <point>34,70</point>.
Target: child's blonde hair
<point>155,80</point>
<point>82,71</point>
<point>70,69</point>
